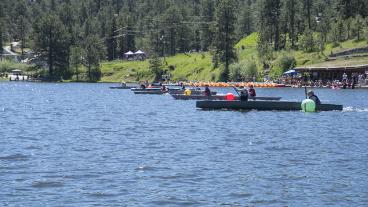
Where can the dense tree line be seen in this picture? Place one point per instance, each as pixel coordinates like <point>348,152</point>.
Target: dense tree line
<point>69,33</point>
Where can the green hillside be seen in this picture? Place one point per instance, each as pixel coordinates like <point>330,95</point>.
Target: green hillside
<point>194,66</point>
<point>198,66</point>
<point>247,49</point>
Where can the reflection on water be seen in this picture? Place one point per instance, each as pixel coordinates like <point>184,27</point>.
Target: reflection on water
<point>84,144</point>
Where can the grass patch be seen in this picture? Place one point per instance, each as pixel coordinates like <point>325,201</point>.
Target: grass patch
<point>199,67</point>
<point>118,70</point>
<point>7,66</point>
<point>194,66</point>
<point>342,62</point>
<point>347,45</point>
<point>249,41</point>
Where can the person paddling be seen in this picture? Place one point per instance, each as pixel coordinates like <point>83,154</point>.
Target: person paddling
<point>243,94</point>
<point>207,91</point>
<point>252,91</point>
<point>313,97</point>
<point>164,88</point>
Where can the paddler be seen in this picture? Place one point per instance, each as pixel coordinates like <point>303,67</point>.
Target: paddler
<point>143,86</point>
<point>164,88</point>
<point>207,91</point>
<point>243,93</point>
<point>313,97</point>
<point>252,91</point>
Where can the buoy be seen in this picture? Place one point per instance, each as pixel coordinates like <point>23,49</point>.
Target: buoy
<point>187,92</point>
<point>230,97</point>
<point>308,105</point>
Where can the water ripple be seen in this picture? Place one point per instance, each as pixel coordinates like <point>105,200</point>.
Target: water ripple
<point>86,145</point>
<point>47,184</point>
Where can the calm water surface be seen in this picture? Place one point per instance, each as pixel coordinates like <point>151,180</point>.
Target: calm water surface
<point>87,145</point>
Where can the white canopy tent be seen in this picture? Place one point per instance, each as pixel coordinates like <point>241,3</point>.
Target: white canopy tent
<point>139,52</point>
<point>129,55</point>
<point>140,55</point>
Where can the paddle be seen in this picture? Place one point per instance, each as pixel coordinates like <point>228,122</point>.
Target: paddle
<point>236,90</point>
<point>305,91</point>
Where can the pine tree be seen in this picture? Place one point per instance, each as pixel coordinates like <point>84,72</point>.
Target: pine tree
<point>225,34</point>
<point>358,25</point>
<point>51,42</point>
<point>76,54</point>
<point>155,66</point>
<point>245,20</point>
<point>1,41</point>
<point>207,27</point>
<point>290,10</point>
<point>130,34</point>
<point>111,40</point>
<point>307,4</point>
<point>93,54</point>
<point>269,26</point>
<point>171,22</point>
<point>21,23</point>
<point>1,30</point>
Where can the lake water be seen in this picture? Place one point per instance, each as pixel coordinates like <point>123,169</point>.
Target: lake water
<point>87,145</point>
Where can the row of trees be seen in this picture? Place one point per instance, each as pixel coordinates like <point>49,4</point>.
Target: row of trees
<point>70,33</point>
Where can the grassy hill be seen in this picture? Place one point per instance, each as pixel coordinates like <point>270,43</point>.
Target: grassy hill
<point>198,66</point>
<point>194,66</point>
<point>247,48</point>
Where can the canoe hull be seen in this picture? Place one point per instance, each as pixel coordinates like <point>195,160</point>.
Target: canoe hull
<point>149,92</point>
<point>121,87</point>
<point>262,105</point>
<point>194,92</point>
<point>146,89</point>
<point>218,97</point>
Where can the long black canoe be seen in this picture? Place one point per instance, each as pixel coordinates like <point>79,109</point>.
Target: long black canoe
<point>152,92</point>
<point>219,97</point>
<point>146,89</point>
<point>263,105</point>
<point>122,87</point>
<point>154,89</point>
<point>194,92</point>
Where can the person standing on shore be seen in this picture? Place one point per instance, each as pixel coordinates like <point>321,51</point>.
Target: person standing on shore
<point>353,81</point>
<point>344,77</point>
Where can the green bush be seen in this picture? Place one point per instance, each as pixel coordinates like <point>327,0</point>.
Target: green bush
<point>234,71</point>
<point>8,66</point>
<point>275,73</point>
<point>306,42</point>
<point>156,67</point>
<point>286,62</point>
<point>282,64</point>
<point>243,71</point>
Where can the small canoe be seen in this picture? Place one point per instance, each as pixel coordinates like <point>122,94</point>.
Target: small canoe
<point>121,87</point>
<point>194,92</point>
<point>263,105</point>
<point>146,89</point>
<point>154,89</point>
<point>152,92</point>
<point>219,97</point>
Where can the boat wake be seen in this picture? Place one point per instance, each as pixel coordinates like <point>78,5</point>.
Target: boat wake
<point>354,109</point>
